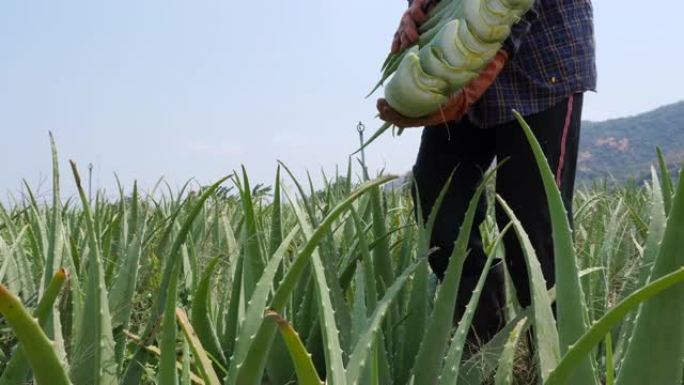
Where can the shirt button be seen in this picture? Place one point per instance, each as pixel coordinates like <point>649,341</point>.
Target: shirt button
<point>553,80</point>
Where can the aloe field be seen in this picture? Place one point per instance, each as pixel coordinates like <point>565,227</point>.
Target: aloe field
<point>238,284</point>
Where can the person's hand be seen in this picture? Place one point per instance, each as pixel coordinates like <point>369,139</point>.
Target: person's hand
<point>456,106</point>
<point>407,33</point>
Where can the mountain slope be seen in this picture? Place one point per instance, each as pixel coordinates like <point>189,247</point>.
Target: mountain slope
<point>626,148</point>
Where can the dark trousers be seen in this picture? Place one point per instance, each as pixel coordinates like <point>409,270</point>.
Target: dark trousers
<point>468,151</point>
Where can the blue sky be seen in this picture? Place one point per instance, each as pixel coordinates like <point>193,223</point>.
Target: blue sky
<point>182,89</point>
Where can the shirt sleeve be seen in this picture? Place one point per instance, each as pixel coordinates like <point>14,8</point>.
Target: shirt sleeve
<point>520,30</point>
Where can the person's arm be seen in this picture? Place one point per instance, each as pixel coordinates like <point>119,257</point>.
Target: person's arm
<point>407,33</point>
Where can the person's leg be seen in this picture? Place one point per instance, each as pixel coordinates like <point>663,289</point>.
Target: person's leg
<point>467,151</point>
<point>519,183</point>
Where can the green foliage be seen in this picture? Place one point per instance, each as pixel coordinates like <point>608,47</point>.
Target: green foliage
<point>18,368</point>
<point>571,303</point>
<point>203,362</point>
<point>38,349</point>
<point>504,373</point>
<point>342,274</point>
<point>306,372</point>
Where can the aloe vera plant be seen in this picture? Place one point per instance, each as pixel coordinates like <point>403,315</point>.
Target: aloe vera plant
<point>329,285</point>
<point>38,349</point>
<point>18,367</point>
<point>94,361</point>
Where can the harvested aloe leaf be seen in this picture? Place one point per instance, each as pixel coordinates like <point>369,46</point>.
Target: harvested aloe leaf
<point>413,92</point>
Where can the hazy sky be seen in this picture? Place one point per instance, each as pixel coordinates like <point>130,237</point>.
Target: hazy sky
<point>185,89</point>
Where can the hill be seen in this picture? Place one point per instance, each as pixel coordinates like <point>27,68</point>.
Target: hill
<point>625,148</point>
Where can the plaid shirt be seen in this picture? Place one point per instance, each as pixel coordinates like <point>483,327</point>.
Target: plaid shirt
<point>552,56</point>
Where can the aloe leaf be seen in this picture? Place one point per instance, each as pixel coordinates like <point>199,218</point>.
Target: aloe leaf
<point>443,12</point>
<point>418,310</point>
<point>200,313</point>
<point>610,361</point>
<point>325,255</point>
<point>255,259</point>
<point>504,373</point>
<point>308,205</point>
<point>47,368</point>
<point>334,290</point>
<point>374,137</point>
<point>227,315</point>
<point>609,256</point>
<point>73,296</point>
<point>232,315</point>
<point>658,335</point>
<point>481,365</point>
<point>167,373</point>
<point>133,371</point>
<point>203,362</point>
<point>306,315</point>
<point>304,367</point>
<point>656,230</point>
<point>381,372</point>
<point>375,366</point>
<point>37,236</point>
<point>359,310</point>
<point>123,291</point>
<point>452,363</point>
<point>367,262</point>
<point>6,255</point>
<point>256,307</point>
<point>665,180</point>
<point>428,362</point>
<point>53,257</point>
<point>11,271</point>
<point>93,360</point>
<point>361,350</point>
<point>416,320</point>
<point>593,336</point>
<point>113,237</point>
<point>382,261</point>
<point>194,378</point>
<point>572,316</point>
<point>185,378</point>
<point>251,372</point>
<point>18,368</point>
<point>331,337</point>
<point>544,325</point>
<point>276,216</point>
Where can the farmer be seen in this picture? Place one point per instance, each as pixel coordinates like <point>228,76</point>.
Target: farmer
<point>542,71</point>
